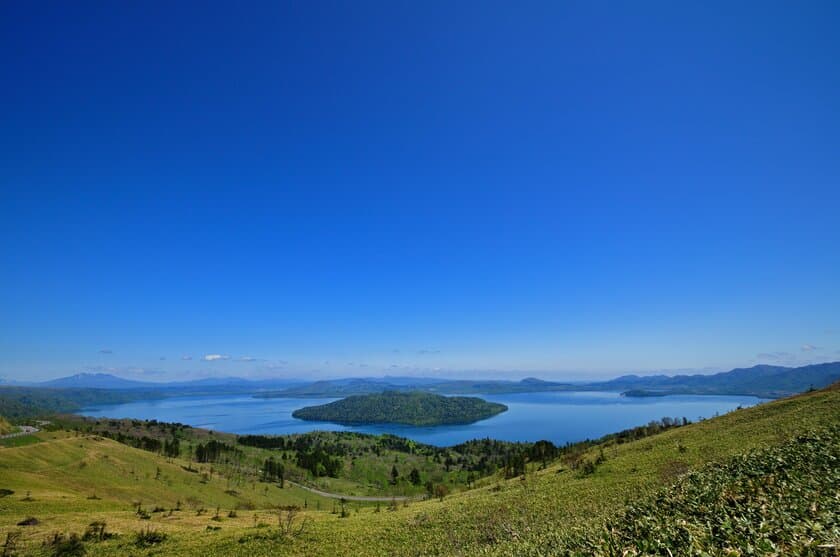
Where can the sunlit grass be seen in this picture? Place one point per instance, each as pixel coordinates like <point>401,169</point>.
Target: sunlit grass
<point>64,473</point>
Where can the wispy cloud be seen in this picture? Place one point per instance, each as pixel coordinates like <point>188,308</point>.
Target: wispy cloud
<point>427,351</point>
<point>106,351</point>
<point>275,365</point>
<point>215,357</point>
<point>775,356</point>
<point>162,358</point>
<point>122,371</point>
<point>810,348</point>
<point>250,359</point>
<point>186,358</point>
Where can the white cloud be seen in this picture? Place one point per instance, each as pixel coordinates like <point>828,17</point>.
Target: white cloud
<point>215,357</point>
<point>809,348</point>
<point>186,357</point>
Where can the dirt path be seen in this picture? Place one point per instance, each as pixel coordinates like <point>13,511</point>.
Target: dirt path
<point>355,497</point>
<point>24,430</point>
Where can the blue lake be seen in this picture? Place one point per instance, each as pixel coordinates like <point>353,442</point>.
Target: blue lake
<point>559,417</point>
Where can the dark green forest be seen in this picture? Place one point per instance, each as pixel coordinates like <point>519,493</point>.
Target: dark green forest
<point>415,408</point>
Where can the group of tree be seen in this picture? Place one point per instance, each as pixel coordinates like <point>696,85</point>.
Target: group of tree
<point>213,450</point>
<point>172,448</point>
<point>273,471</point>
<point>319,463</point>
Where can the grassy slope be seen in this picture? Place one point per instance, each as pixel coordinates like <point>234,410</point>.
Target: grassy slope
<point>513,517</point>
<point>523,513</point>
<point>5,427</point>
<point>366,475</point>
<point>63,473</point>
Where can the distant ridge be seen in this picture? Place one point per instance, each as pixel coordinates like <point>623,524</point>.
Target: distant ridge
<point>94,381</point>
<point>108,381</point>
<point>764,381</point>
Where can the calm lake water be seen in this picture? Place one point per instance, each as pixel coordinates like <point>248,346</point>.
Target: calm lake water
<point>557,416</point>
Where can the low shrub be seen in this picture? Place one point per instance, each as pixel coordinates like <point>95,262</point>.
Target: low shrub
<point>60,545</point>
<point>148,537</point>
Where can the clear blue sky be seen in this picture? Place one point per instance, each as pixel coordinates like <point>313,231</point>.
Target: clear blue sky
<point>562,189</point>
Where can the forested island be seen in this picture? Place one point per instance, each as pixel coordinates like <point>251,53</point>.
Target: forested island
<point>412,408</point>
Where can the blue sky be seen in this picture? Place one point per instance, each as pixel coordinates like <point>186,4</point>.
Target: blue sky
<point>316,189</point>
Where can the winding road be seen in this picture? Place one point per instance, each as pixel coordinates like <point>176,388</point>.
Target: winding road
<point>356,497</point>
<point>29,430</point>
<point>24,430</point>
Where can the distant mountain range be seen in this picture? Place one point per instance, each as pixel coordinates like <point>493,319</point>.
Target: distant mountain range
<point>364,386</point>
<point>93,381</point>
<point>112,382</point>
<point>761,380</point>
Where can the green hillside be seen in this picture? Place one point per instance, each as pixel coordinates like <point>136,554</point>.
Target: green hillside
<point>762,475</point>
<point>5,426</point>
<point>414,408</point>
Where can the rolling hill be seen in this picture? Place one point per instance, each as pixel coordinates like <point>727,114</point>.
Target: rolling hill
<point>5,426</point>
<point>772,465</point>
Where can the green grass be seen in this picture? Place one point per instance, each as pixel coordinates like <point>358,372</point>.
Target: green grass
<point>366,461</point>
<point>5,426</point>
<point>20,441</point>
<point>554,511</point>
<point>772,501</point>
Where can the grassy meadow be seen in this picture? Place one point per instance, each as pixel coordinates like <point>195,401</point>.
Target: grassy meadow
<point>69,480</point>
<point>5,426</point>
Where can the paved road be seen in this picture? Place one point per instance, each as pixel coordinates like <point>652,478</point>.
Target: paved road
<point>355,497</point>
<point>24,430</point>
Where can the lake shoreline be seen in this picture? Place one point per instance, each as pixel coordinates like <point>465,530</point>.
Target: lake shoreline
<point>558,417</point>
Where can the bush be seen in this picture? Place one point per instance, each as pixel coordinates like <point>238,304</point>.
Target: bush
<point>66,546</point>
<point>148,537</point>
<point>776,501</point>
<point>96,532</point>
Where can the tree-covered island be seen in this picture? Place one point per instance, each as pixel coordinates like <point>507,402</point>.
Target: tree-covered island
<point>412,408</point>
